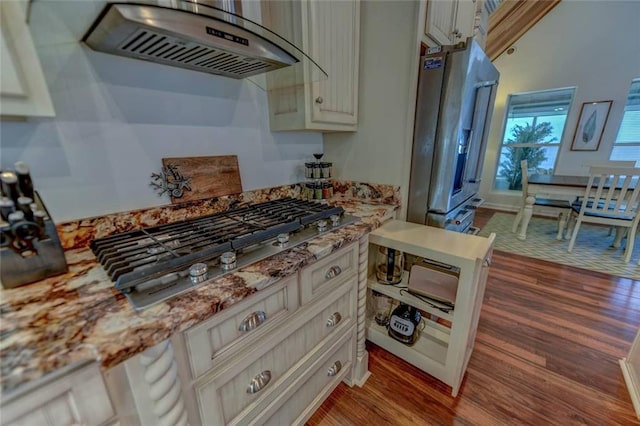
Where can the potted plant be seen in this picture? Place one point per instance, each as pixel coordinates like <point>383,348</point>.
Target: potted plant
<point>524,134</point>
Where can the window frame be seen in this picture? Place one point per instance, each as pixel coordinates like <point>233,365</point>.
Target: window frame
<point>505,119</point>
<point>615,141</point>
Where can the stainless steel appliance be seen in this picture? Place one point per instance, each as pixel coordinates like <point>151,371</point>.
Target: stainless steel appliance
<point>456,92</point>
<point>195,34</point>
<point>154,264</point>
<point>403,324</point>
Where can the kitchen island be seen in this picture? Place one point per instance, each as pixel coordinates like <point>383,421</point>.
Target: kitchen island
<point>79,317</point>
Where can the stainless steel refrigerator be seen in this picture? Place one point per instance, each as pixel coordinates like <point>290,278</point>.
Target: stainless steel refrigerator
<point>456,92</point>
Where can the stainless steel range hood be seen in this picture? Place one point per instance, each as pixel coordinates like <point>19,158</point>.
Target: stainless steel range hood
<point>200,37</point>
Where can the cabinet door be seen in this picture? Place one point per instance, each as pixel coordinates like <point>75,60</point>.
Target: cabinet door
<point>481,23</point>
<point>440,21</point>
<point>23,90</point>
<point>333,29</point>
<point>79,397</point>
<point>465,18</point>
<point>310,391</point>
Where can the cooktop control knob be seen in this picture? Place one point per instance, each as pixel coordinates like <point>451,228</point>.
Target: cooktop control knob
<point>322,225</point>
<point>228,260</point>
<point>335,220</point>
<point>198,272</point>
<point>283,239</point>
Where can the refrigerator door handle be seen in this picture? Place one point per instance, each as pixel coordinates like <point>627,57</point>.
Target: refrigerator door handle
<point>481,103</point>
<point>486,83</point>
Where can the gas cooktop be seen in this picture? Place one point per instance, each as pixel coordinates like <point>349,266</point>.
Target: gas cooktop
<point>153,264</point>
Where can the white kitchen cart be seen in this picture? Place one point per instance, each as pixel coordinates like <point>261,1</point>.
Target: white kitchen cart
<point>440,351</point>
<point>631,371</point>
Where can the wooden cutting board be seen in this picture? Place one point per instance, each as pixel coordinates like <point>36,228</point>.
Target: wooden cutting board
<point>208,176</point>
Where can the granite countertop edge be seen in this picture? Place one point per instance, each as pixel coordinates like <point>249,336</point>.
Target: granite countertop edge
<point>79,317</point>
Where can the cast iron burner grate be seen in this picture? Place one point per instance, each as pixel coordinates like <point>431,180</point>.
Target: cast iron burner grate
<point>153,264</point>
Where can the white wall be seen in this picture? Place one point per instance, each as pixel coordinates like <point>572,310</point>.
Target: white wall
<point>379,152</point>
<point>116,118</point>
<point>591,45</point>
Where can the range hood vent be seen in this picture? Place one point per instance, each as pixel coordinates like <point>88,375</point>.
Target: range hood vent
<point>201,38</point>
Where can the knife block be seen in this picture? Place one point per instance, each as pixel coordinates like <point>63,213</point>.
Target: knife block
<point>48,259</point>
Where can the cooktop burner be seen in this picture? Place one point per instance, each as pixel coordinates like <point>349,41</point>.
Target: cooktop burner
<point>153,264</point>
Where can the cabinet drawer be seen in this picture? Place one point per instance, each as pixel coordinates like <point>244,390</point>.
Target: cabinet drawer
<point>225,397</point>
<point>309,392</point>
<point>231,330</point>
<point>328,272</point>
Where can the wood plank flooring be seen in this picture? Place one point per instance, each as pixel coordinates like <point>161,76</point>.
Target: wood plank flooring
<point>546,353</point>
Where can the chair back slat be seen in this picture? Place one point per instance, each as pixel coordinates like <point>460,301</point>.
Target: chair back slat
<point>613,192</point>
<point>623,203</point>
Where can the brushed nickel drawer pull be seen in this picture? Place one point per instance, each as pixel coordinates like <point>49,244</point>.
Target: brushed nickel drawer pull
<point>334,369</point>
<point>333,272</point>
<point>253,320</point>
<point>259,382</point>
<point>334,319</point>
<point>319,100</point>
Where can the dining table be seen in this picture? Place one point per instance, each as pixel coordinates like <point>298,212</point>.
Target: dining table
<point>558,186</point>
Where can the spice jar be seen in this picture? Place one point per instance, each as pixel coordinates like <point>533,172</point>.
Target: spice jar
<point>317,171</point>
<point>326,190</point>
<point>308,170</point>
<point>318,191</point>
<point>325,170</point>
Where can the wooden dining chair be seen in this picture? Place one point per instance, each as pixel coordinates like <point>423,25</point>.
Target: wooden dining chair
<point>608,163</point>
<point>609,199</point>
<point>563,207</point>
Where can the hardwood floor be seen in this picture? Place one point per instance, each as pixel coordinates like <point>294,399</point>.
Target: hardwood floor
<point>546,353</point>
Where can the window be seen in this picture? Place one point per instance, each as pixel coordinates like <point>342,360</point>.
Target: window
<point>627,143</point>
<point>533,131</point>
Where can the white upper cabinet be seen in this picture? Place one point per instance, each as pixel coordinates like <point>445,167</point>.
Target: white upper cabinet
<point>481,23</point>
<point>23,90</point>
<point>449,22</point>
<point>329,32</point>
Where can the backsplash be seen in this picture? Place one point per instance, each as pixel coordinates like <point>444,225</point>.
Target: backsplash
<point>116,118</point>
<point>79,233</point>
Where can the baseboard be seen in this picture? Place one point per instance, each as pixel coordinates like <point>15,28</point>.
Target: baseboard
<point>501,207</point>
<point>539,211</point>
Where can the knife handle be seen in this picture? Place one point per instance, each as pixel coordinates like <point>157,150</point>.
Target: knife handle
<point>24,179</point>
<point>6,208</point>
<point>9,183</point>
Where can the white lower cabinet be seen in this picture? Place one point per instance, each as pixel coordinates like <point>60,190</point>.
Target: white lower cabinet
<point>240,391</point>
<point>224,335</point>
<point>446,339</point>
<point>77,398</point>
<point>271,358</point>
<point>306,394</point>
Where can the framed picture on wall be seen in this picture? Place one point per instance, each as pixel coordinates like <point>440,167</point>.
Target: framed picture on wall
<point>593,118</point>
